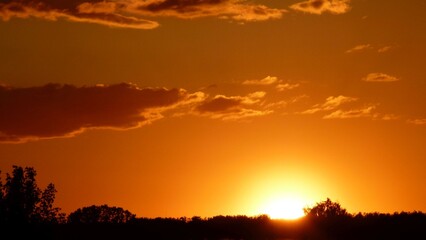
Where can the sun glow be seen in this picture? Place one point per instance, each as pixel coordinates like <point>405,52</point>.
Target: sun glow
<point>284,208</point>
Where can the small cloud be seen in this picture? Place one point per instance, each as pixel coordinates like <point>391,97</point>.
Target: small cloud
<point>390,117</point>
<point>321,6</point>
<point>233,107</point>
<point>330,103</point>
<point>355,113</point>
<point>359,48</point>
<point>265,81</point>
<point>286,86</point>
<point>379,77</point>
<point>55,110</point>
<point>277,105</point>
<point>419,121</point>
<point>384,49</point>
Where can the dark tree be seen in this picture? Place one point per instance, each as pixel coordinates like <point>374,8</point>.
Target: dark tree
<point>100,214</point>
<point>22,201</point>
<point>46,212</point>
<point>326,209</point>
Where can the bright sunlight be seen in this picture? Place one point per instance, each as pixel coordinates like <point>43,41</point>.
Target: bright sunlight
<point>284,208</point>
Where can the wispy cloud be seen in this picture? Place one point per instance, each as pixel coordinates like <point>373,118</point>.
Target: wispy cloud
<point>136,13</point>
<point>233,107</point>
<point>379,77</point>
<point>269,81</point>
<point>265,81</point>
<point>367,111</point>
<point>359,48</point>
<point>57,110</point>
<point>331,103</point>
<point>363,47</point>
<point>286,86</point>
<point>418,121</point>
<point>321,6</point>
<point>384,49</point>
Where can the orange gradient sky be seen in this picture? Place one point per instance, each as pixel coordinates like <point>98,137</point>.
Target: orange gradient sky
<point>174,108</point>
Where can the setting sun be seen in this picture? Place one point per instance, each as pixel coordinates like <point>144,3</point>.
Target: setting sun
<point>284,208</point>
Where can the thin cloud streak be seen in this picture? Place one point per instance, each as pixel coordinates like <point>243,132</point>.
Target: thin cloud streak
<point>354,113</point>
<point>359,48</point>
<point>233,107</point>
<point>331,103</point>
<point>384,49</point>
<point>321,6</point>
<point>419,121</point>
<point>379,77</point>
<point>265,81</point>
<point>286,86</point>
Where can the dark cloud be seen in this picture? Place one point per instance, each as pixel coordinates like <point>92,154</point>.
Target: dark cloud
<point>57,110</point>
<point>133,13</point>
<point>239,10</point>
<point>93,11</point>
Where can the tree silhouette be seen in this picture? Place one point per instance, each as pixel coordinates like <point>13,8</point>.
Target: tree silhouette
<point>100,214</point>
<point>22,201</point>
<point>326,209</point>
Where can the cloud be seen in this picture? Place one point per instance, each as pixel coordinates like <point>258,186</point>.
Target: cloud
<point>321,6</point>
<point>110,13</point>
<point>239,10</point>
<point>286,86</point>
<point>419,121</point>
<point>362,47</point>
<point>265,81</point>
<point>389,117</point>
<point>359,48</point>
<point>55,110</point>
<point>135,13</point>
<point>379,77</point>
<point>384,49</point>
<point>233,107</point>
<point>355,113</point>
<point>331,103</point>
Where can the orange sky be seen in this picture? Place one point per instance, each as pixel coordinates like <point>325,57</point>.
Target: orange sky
<point>180,108</point>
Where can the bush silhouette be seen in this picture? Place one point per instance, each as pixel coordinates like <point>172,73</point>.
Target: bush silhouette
<point>100,214</point>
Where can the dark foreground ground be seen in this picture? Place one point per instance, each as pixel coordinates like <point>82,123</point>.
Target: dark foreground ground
<point>360,227</point>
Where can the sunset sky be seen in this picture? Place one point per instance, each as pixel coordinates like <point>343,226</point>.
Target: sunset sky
<point>173,108</point>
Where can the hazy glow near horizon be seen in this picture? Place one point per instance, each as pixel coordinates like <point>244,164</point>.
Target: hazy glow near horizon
<point>288,208</point>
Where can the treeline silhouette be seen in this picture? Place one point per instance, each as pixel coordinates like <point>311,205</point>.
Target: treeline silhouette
<point>27,212</point>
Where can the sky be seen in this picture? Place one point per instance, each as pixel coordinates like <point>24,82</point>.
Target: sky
<point>173,108</point>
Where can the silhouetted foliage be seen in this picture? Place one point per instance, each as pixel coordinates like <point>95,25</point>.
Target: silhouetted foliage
<point>100,214</point>
<point>22,201</point>
<point>326,209</point>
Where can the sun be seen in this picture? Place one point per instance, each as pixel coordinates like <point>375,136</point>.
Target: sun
<point>284,208</point>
